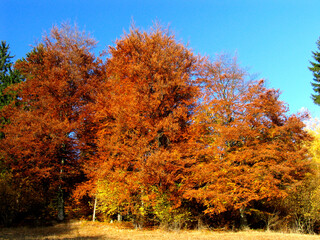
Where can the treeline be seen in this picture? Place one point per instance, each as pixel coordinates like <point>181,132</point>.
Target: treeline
<point>147,132</point>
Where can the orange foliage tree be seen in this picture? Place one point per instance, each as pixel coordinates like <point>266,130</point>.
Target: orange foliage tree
<point>42,144</point>
<point>252,148</point>
<point>144,116</point>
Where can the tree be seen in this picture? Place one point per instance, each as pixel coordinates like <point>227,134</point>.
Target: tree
<point>42,147</point>
<point>8,75</point>
<point>143,114</point>
<point>303,202</point>
<point>252,150</point>
<point>315,69</point>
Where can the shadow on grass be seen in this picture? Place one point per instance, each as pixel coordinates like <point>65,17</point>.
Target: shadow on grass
<point>65,231</point>
<point>56,237</point>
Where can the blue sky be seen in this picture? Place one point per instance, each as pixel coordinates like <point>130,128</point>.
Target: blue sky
<point>273,38</point>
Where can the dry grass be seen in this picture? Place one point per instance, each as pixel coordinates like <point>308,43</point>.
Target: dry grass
<point>88,230</point>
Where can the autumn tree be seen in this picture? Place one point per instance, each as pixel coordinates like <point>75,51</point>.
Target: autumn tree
<point>303,206</point>
<point>144,115</point>
<point>252,148</point>
<point>42,147</point>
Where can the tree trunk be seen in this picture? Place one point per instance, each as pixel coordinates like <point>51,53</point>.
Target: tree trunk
<point>94,209</point>
<point>243,218</point>
<point>61,214</point>
<point>60,205</point>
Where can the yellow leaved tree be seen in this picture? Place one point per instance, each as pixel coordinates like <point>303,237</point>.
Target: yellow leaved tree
<point>304,202</point>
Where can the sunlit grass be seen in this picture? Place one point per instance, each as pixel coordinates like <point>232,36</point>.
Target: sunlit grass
<point>88,230</point>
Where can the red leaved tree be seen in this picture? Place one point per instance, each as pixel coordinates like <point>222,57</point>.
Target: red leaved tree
<point>252,148</point>
<point>42,144</point>
<point>144,135</point>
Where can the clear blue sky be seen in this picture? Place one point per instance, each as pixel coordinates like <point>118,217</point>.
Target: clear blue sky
<point>273,38</point>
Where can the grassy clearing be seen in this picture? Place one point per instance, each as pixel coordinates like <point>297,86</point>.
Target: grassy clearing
<point>88,230</point>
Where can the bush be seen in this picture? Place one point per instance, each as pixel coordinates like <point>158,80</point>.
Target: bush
<point>304,206</point>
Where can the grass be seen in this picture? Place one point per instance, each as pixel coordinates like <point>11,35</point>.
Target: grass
<point>89,230</point>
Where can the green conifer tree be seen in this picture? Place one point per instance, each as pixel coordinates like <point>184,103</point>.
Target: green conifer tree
<point>315,68</point>
<point>8,76</point>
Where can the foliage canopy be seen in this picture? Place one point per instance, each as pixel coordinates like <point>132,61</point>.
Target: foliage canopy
<point>154,133</point>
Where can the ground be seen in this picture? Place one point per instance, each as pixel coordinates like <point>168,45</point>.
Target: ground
<point>89,230</point>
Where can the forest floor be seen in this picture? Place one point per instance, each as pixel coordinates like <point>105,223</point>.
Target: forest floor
<point>89,230</point>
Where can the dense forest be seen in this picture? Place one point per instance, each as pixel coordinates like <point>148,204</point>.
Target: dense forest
<point>152,133</point>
